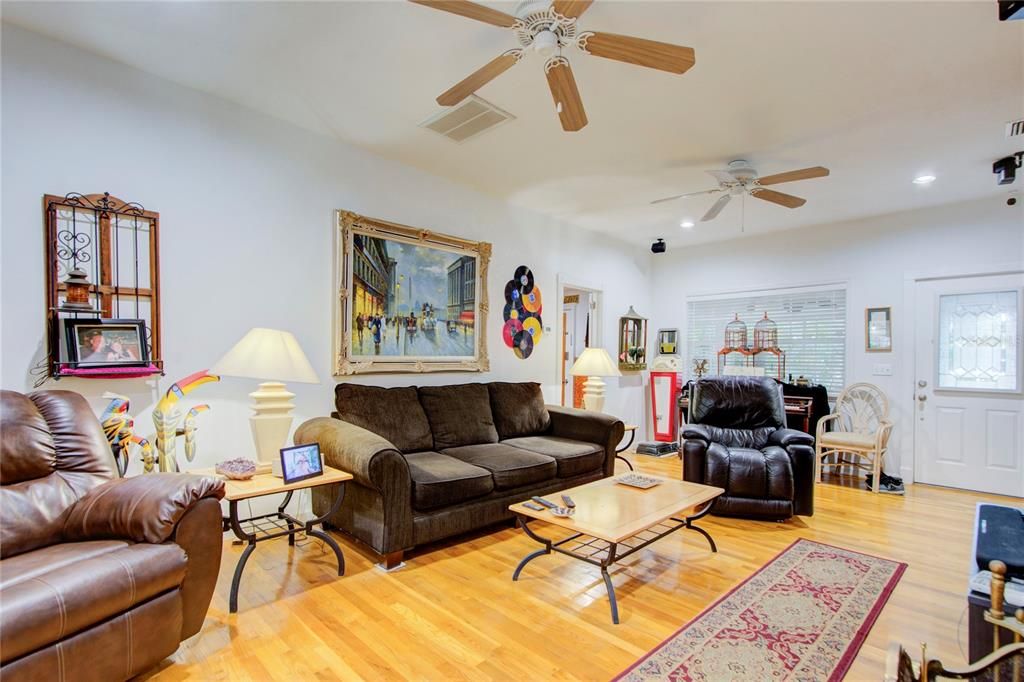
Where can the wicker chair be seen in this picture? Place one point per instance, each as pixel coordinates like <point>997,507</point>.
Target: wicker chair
<point>860,428</point>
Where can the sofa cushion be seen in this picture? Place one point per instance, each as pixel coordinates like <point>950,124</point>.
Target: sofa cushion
<point>518,409</point>
<point>53,605</point>
<point>439,480</point>
<point>510,466</point>
<point>573,457</point>
<point>391,413</point>
<point>459,414</point>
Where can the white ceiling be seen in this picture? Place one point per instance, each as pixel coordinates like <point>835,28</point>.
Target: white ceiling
<point>877,91</point>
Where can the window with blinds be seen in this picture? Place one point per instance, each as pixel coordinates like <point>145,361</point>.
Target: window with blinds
<point>811,326</point>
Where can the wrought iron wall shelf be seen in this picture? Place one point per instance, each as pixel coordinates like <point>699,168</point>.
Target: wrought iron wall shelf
<point>114,244</point>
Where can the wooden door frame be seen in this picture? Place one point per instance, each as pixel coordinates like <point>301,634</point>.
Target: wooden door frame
<point>908,356</point>
<point>563,282</point>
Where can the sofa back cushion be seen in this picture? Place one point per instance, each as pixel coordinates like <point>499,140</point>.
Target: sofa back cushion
<point>518,409</point>
<point>53,452</point>
<point>459,414</point>
<point>391,413</point>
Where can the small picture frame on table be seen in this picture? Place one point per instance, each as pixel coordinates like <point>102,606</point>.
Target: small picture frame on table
<point>301,462</point>
<point>878,330</point>
<point>97,342</point>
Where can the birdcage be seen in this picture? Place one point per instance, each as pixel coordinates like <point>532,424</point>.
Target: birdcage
<point>736,334</point>
<point>766,334</point>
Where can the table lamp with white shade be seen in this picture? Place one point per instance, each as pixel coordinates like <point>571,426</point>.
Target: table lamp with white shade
<point>594,363</point>
<point>275,357</point>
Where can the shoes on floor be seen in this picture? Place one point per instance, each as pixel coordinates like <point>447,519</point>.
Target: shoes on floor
<point>892,485</point>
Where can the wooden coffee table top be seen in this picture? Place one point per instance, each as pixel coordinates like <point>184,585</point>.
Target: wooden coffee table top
<point>613,512</point>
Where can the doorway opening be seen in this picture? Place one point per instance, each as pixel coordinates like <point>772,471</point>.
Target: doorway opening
<point>579,314</point>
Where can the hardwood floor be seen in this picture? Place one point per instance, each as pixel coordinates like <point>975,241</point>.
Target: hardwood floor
<point>454,613</point>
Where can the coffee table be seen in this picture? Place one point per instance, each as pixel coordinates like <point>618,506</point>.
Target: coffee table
<point>611,516</point>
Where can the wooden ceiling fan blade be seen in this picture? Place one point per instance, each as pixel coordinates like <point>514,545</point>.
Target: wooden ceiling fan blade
<point>479,78</point>
<point>683,196</point>
<point>787,200</point>
<point>471,10</point>
<point>794,175</point>
<point>571,8</point>
<point>639,51</point>
<point>565,93</point>
<point>716,208</point>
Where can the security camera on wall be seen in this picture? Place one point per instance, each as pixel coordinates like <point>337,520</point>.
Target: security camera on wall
<point>1006,168</point>
<point>659,246</point>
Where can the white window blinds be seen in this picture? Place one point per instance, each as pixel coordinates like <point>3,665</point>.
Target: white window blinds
<point>811,326</point>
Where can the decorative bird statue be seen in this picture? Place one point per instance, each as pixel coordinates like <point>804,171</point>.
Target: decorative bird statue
<point>118,428</point>
<point>167,414</point>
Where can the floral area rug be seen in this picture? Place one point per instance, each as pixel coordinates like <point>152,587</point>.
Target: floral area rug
<point>802,616</point>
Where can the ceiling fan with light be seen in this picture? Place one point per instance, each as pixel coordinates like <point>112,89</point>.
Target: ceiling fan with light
<point>547,29</point>
<point>740,179</point>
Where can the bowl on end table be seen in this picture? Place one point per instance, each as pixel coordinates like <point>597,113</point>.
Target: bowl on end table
<point>238,469</point>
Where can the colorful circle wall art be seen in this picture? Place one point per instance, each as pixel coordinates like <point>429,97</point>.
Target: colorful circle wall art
<point>523,306</point>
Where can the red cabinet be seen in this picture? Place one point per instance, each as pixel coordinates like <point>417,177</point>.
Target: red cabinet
<point>665,390</point>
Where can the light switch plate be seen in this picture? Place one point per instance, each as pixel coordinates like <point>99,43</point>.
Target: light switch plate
<point>882,370</point>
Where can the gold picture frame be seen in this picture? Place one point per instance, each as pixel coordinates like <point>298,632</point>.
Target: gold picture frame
<point>381,327</point>
<point>878,329</point>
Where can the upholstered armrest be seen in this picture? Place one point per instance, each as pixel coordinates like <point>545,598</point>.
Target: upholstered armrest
<point>786,437</point>
<point>371,459</point>
<point>143,508</point>
<point>697,432</point>
<point>592,427</point>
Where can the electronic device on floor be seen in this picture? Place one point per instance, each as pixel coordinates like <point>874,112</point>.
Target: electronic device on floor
<point>657,449</point>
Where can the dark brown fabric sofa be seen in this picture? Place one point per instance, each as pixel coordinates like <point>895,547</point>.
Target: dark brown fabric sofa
<point>435,461</point>
<point>100,577</point>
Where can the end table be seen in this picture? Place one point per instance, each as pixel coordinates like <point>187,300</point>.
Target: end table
<point>275,524</point>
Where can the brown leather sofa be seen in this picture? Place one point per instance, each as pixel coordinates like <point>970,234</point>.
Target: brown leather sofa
<point>100,577</point>
<point>436,461</point>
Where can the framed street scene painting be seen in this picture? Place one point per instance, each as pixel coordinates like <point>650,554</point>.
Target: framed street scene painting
<point>878,330</point>
<point>409,300</point>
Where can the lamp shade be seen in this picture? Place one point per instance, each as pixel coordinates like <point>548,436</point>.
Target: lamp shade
<point>267,354</point>
<point>594,362</point>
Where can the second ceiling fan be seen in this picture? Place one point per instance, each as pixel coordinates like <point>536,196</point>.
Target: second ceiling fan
<point>547,29</point>
<point>740,179</point>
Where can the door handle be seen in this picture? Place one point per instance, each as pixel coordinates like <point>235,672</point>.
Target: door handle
<point>922,397</point>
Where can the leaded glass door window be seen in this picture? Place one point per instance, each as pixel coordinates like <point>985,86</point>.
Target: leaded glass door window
<point>978,341</point>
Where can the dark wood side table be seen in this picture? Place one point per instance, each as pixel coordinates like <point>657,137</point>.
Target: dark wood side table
<point>277,524</point>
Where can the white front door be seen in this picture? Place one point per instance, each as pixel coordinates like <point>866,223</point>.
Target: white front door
<point>969,404</point>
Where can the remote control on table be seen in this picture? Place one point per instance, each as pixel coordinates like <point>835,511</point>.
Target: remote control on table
<point>546,503</point>
<point>534,507</point>
<point>568,502</point>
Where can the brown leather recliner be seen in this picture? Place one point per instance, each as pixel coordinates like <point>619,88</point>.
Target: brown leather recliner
<point>100,577</point>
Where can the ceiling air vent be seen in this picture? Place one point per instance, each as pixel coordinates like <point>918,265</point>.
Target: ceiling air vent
<point>1014,128</point>
<point>466,119</point>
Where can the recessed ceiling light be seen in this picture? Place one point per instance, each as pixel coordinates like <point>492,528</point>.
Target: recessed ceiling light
<point>924,179</point>
<point>686,224</point>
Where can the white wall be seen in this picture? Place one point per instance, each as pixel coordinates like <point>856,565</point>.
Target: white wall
<point>874,258</point>
<point>247,223</point>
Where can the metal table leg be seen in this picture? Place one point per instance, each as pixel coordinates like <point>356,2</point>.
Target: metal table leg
<point>608,582</point>
<point>294,526</point>
<point>524,522</point>
<point>701,514</point>
<point>618,453</point>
